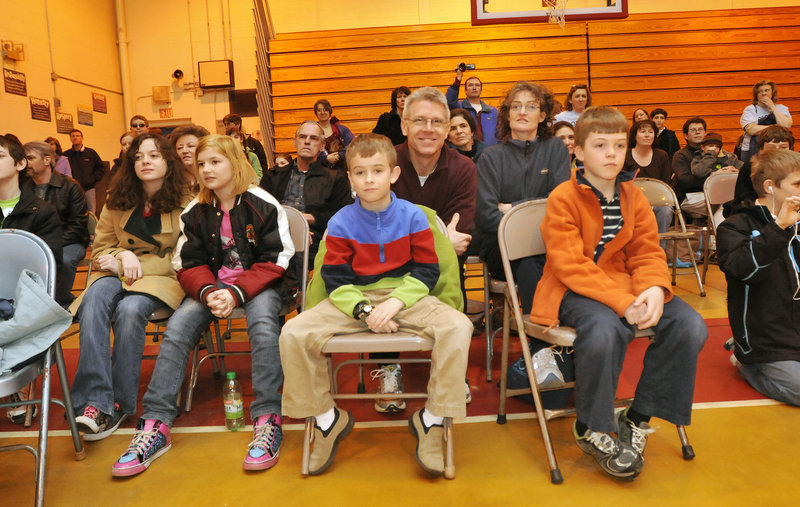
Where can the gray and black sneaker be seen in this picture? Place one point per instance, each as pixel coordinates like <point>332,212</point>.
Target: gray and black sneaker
<point>96,425</point>
<point>634,436</point>
<point>614,457</point>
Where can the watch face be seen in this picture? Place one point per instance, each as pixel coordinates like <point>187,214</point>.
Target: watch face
<point>368,308</point>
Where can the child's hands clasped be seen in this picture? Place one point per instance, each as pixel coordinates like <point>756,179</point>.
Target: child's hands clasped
<point>380,320</point>
<point>647,309</point>
<point>220,302</point>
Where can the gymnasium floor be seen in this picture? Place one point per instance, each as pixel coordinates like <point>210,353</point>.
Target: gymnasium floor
<point>745,455</point>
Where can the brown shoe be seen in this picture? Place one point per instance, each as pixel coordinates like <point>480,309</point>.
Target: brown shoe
<point>430,454</point>
<point>325,442</point>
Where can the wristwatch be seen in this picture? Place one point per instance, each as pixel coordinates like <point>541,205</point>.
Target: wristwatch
<point>362,311</point>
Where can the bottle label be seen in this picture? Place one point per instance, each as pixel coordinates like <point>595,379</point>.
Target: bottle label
<point>234,409</point>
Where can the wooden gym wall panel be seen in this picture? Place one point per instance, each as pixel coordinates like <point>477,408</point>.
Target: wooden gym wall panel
<point>356,70</point>
<point>697,64</point>
<point>690,63</point>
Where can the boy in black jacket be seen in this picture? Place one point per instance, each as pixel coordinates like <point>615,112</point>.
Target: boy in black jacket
<point>759,252</point>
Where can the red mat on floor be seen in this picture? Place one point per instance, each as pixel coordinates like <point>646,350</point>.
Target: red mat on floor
<point>717,381</point>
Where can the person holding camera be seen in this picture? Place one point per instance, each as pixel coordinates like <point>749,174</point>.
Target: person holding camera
<point>484,114</point>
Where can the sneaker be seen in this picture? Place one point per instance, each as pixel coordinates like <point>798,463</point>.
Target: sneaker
<point>614,457</point>
<point>469,391</point>
<point>681,264</point>
<point>430,454</point>
<point>96,425</point>
<point>546,369</point>
<point>634,436</point>
<point>391,378</point>
<point>17,413</point>
<point>150,441</point>
<point>266,444</point>
<point>326,442</point>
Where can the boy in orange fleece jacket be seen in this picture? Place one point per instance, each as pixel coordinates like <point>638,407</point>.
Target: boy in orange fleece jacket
<point>605,276</point>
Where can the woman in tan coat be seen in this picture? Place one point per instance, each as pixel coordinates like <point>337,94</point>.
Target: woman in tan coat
<point>133,276</point>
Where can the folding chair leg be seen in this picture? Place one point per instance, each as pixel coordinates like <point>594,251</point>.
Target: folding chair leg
<point>221,346</point>
<point>675,261</point>
<point>700,280</point>
<point>192,377</point>
<point>308,439</point>
<point>209,343</point>
<point>29,409</point>
<point>80,452</point>
<point>541,416</point>
<point>706,235</point>
<point>487,319</point>
<point>686,447</point>
<point>449,466</point>
<point>501,412</point>
<point>44,420</point>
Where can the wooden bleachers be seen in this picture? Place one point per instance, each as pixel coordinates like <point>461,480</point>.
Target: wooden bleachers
<point>691,63</point>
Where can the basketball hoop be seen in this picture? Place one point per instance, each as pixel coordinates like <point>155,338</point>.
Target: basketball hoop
<point>555,11</point>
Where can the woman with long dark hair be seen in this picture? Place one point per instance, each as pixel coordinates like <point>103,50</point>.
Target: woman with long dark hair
<point>133,276</point>
<point>389,123</point>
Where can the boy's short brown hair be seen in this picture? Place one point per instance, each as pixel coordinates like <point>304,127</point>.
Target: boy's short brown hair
<point>600,120</point>
<point>367,145</point>
<point>773,165</point>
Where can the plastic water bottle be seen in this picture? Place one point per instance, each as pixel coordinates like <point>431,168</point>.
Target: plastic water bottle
<point>234,405</point>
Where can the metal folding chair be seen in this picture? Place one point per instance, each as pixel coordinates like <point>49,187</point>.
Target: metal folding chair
<point>718,188</point>
<point>23,250</point>
<point>659,193</point>
<point>528,217</point>
<point>299,230</point>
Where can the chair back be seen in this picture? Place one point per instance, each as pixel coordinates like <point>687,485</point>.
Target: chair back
<point>23,250</point>
<point>518,236</point>
<point>719,188</point>
<point>299,230</point>
<point>518,233</point>
<point>659,193</point>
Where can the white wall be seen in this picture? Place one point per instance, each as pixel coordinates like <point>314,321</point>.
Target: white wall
<point>296,16</point>
<point>175,34</point>
<point>84,49</point>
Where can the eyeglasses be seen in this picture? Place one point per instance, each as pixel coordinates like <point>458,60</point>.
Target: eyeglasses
<point>697,130</point>
<point>436,123</point>
<point>518,107</point>
<point>138,125</point>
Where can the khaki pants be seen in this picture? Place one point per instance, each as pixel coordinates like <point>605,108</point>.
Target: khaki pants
<point>306,387</point>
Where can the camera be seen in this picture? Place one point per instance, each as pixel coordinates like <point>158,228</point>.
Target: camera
<point>177,74</point>
<point>465,66</point>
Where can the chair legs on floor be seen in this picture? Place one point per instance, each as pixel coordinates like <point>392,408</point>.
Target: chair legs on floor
<point>686,447</point>
<point>80,452</point>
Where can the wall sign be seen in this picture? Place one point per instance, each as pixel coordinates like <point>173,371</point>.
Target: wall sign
<point>15,82</point>
<point>64,123</point>
<point>40,109</point>
<point>85,116</point>
<point>99,103</point>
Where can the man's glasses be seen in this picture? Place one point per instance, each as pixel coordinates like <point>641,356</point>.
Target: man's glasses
<point>138,125</point>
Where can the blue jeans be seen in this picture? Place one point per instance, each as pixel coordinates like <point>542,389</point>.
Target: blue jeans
<point>666,386</point>
<point>104,377</point>
<point>780,380</point>
<point>184,330</point>
<point>66,275</point>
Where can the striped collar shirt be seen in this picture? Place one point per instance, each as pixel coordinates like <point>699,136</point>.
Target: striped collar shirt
<point>612,214</point>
